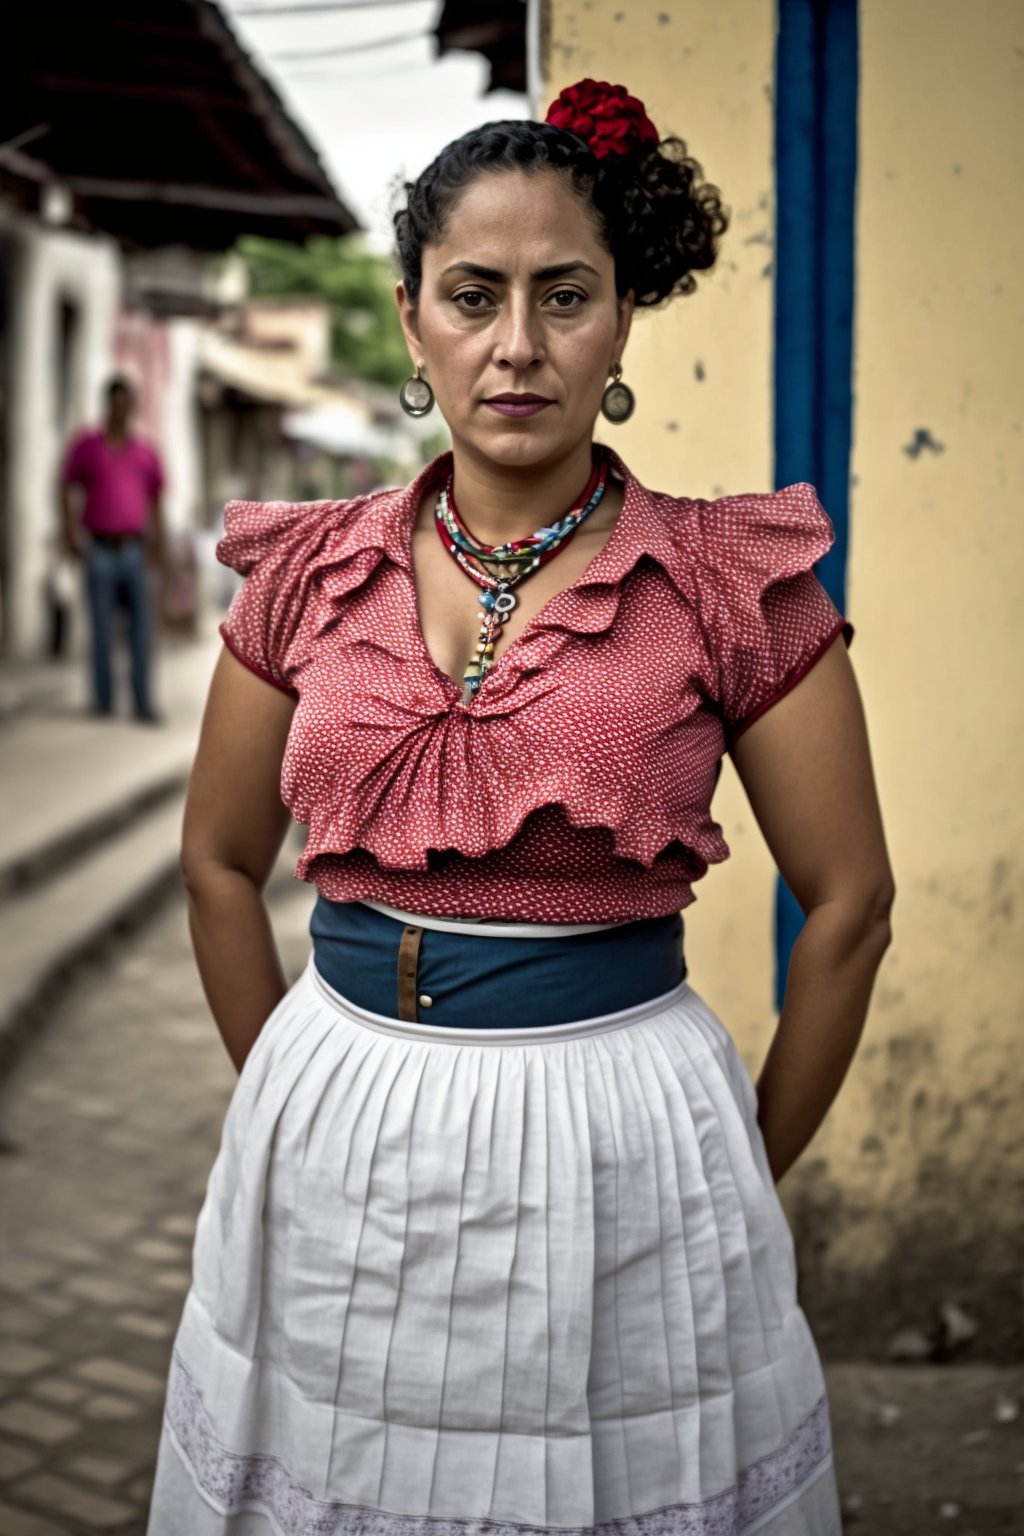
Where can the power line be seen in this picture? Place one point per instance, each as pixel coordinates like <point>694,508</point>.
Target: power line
<point>317,6</point>
<point>302,75</point>
<point>334,53</point>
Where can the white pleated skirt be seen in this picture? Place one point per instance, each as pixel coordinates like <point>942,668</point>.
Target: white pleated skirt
<point>493,1283</point>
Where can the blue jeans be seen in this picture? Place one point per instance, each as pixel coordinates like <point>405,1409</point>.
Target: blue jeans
<point>119,578</point>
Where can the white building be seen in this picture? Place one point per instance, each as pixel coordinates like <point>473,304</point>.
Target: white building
<point>121,172</point>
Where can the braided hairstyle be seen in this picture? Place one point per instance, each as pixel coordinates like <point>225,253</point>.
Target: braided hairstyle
<point>653,212</point>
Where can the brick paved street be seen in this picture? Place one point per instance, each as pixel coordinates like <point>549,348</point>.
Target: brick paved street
<point>110,1123</point>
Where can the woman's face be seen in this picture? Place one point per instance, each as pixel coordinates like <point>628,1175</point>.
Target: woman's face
<point>518,322</point>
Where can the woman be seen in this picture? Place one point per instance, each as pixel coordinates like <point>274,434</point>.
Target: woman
<point>492,1243</point>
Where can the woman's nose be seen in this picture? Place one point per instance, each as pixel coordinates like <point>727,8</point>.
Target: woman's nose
<point>518,343</point>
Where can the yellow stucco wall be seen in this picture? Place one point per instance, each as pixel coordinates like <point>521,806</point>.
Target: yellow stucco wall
<point>701,369</point>
<point>936,548</point>
<point>918,1168</point>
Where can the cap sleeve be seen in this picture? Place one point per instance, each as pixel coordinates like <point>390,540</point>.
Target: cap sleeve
<point>262,541</point>
<point>766,615</point>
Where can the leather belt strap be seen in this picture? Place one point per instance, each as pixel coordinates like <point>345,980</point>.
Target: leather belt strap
<point>116,539</point>
<point>408,965</point>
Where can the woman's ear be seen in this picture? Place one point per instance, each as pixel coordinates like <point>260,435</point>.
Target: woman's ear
<point>408,316</point>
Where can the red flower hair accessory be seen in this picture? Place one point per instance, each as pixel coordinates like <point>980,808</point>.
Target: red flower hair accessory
<point>605,116</point>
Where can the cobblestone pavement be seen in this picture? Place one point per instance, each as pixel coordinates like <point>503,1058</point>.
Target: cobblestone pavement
<point>110,1125</point>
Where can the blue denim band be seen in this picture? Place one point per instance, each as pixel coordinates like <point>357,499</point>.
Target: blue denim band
<point>491,983</point>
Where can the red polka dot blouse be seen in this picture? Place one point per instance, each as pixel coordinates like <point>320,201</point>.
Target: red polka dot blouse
<point>576,785</point>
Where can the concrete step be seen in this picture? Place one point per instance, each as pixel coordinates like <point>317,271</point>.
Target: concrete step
<point>90,834</point>
<point>97,899</point>
<point>56,923</point>
<point>36,854</point>
<point>69,779</point>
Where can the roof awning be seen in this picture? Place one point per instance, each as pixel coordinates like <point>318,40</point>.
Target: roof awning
<point>158,124</point>
<point>338,430</point>
<point>497,30</point>
<point>271,376</point>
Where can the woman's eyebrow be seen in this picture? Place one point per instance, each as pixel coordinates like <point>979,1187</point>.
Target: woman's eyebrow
<point>492,275</point>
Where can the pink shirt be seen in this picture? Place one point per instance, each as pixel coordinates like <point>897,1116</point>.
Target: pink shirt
<point>119,483</point>
<point>576,786</point>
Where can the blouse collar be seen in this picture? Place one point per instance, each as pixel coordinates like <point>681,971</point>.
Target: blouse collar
<point>385,524</point>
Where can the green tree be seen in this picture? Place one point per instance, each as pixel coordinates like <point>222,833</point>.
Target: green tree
<point>366,338</point>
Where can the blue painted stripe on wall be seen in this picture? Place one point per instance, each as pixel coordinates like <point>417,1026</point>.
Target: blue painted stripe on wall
<point>816,88</point>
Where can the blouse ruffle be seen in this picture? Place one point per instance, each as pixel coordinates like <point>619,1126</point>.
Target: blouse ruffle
<point>288,551</point>
<point>385,760</point>
<point>768,613</point>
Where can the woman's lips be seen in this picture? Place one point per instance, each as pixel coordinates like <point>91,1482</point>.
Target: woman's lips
<point>508,405</point>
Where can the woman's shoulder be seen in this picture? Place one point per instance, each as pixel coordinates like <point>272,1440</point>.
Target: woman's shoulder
<point>260,531</point>
<point>746,562</point>
<point>742,537</point>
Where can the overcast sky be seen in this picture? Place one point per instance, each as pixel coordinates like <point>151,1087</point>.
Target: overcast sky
<point>372,113</point>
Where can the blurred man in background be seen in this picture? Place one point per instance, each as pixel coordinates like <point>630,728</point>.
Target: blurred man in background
<point>114,521</point>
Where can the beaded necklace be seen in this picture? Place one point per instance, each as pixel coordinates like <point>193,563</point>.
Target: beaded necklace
<point>512,563</point>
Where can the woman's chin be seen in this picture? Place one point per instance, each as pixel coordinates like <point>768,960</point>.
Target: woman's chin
<point>520,443</point>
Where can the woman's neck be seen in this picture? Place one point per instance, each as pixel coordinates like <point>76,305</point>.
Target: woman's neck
<point>500,502</point>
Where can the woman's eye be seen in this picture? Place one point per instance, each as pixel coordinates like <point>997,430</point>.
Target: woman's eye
<point>471,299</point>
<point>568,298</point>
<point>476,301</point>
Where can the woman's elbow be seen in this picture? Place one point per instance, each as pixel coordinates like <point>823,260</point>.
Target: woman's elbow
<point>206,866</point>
<point>860,914</point>
<point>201,868</point>
<point>194,871</point>
<point>879,916</point>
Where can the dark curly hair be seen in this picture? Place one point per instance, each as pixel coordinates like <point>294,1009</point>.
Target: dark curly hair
<point>655,214</point>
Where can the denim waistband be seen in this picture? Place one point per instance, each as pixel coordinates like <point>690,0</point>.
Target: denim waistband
<point>472,981</point>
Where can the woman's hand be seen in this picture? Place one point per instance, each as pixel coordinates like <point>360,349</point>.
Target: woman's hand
<point>806,767</point>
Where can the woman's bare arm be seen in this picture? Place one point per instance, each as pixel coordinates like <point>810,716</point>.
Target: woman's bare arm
<point>234,826</point>
<point>806,768</point>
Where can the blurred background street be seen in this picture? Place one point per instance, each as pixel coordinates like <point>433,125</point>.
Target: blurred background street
<point>195,199</point>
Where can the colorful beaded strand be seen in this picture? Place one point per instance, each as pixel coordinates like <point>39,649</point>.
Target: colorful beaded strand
<point>525,555</point>
<point>543,543</point>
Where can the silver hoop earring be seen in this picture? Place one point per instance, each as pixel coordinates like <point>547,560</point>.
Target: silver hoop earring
<point>618,401</point>
<point>416,396</point>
